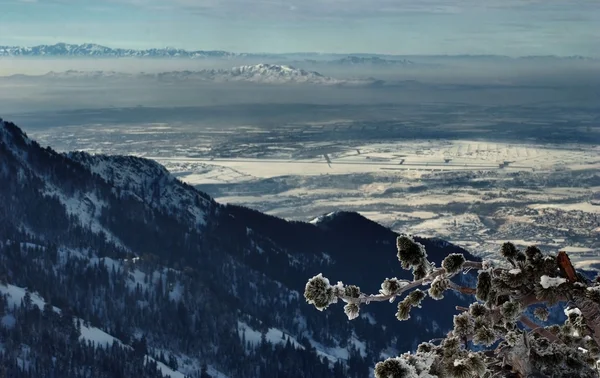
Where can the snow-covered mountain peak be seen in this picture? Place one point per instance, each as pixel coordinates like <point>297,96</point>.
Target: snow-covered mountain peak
<point>268,68</point>
<point>263,73</point>
<point>278,73</point>
<point>259,73</point>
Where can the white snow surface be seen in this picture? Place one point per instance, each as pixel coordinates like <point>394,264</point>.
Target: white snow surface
<point>15,295</point>
<point>548,282</point>
<point>165,370</point>
<point>569,311</point>
<point>97,336</point>
<point>273,335</point>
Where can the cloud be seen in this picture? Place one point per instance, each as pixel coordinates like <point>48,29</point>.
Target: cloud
<point>318,9</point>
<point>368,7</point>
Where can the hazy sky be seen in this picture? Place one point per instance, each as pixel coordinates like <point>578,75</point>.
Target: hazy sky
<point>511,27</point>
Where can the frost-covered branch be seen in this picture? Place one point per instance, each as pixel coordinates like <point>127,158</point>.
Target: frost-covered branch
<point>392,288</point>
<point>502,295</point>
<point>539,329</point>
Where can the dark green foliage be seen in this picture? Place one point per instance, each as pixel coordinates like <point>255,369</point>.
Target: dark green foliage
<point>593,293</point>
<point>318,292</point>
<point>437,287</point>
<point>541,313</point>
<point>509,251</point>
<point>463,325</point>
<point>484,286</point>
<point>450,346</point>
<point>510,310</point>
<point>352,291</point>
<point>394,368</point>
<point>559,360</point>
<point>520,258</point>
<point>425,347</point>
<point>484,336</point>
<point>412,300</point>
<point>453,263</point>
<point>403,310</point>
<point>460,369</point>
<point>419,272</point>
<point>410,252</point>
<point>477,363</point>
<point>533,254</point>
<point>477,309</point>
<point>550,295</point>
<point>390,286</point>
<point>415,297</point>
<point>351,310</point>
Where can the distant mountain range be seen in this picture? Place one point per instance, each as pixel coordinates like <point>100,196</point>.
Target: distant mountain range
<point>94,50</point>
<point>258,73</point>
<point>354,60</point>
<point>97,51</point>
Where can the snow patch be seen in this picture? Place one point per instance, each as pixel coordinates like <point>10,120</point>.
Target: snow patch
<point>97,336</point>
<point>15,296</point>
<point>548,282</point>
<point>569,311</point>
<point>164,369</point>
<point>273,336</point>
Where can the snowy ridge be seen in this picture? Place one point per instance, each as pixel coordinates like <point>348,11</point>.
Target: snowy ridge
<point>12,137</point>
<point>150,182</point>
<point>259,73</point>
<point>94,50</point>
<point>322,218</point>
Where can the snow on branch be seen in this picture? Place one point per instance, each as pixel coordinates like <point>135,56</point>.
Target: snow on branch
<point>495,319</point>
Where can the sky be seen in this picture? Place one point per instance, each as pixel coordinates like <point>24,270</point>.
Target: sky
<point>505,27</point>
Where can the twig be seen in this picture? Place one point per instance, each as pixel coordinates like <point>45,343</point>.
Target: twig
<point>539,329</point>
<point>462,289</point>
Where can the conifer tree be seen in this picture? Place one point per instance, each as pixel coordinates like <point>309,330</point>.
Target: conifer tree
<point>495,336</point>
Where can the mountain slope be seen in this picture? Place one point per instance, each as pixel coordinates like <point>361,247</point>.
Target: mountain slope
<point>135,254</point>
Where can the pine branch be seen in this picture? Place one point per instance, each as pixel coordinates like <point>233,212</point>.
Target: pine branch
<point>462,289</point>
<point>367,298</point>
<point>539,329</point>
